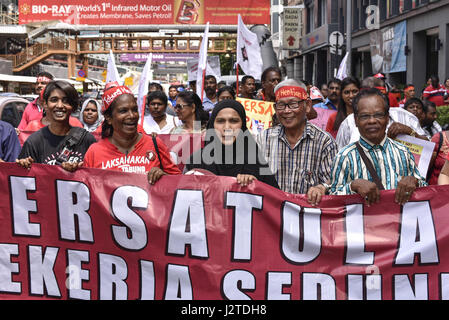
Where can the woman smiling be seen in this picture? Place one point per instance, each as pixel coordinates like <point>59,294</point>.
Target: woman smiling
<point>123,147</point>
<point>58,143</point>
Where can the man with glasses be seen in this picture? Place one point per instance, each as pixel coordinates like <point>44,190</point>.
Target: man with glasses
<point>374,162</point>
<point>299,153</point>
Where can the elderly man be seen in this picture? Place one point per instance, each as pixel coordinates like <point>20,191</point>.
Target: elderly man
<point>33,110</point>
<point>299,154</point>
<point>374,162</point>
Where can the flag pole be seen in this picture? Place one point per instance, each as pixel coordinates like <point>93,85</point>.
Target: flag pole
<point>202,85</point>
<point>237,75</point>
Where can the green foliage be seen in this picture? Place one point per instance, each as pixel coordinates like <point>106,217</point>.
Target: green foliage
<point>443,115</point>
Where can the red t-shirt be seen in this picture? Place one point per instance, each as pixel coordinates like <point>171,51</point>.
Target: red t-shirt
<point>32,112</point>
<point>105,155</point>
<point>330,125</point>
<point>393,98</point>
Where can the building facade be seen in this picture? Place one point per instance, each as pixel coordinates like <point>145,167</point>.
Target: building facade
<point>405,39</point>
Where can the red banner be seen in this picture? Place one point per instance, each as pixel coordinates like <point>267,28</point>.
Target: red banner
<point>165,12</point>
<point>98,234</point>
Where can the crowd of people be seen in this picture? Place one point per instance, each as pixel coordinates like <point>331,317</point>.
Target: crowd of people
<point>356,152</point>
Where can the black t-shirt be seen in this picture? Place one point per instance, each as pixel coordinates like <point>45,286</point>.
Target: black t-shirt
<point>43,147</point>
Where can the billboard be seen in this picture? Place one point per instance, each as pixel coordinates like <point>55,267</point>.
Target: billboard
<point>387,49</point>
<point>134,12</point>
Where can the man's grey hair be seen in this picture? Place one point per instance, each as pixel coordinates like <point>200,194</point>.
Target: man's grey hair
<point>290,83</point>
<point>372,82</point>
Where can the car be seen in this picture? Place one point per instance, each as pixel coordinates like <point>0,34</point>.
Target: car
<point>30,97</point>
<point>11,109</point>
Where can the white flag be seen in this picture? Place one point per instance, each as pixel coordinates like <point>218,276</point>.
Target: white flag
<point>342,70</point>
<point>145,78</point>
<point>112,72</point>
<point>202,62</point>
<point>249,57</point>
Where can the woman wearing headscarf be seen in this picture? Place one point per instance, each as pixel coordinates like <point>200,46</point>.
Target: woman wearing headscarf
<point>90,116</point>
<point>230,149</point>
<point>122,146</point>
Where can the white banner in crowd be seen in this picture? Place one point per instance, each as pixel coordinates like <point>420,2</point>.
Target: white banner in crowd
<point>112,72</point>
<point>342,70</point>
<point>249,57</point>
<point>212,68</point>
<point>202,62</point>
<point>145,79</point>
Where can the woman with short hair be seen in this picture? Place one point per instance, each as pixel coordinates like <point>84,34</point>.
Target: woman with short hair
<point>58,143</point>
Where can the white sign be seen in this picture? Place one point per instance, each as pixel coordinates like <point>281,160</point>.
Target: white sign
<point>422,151</point>
<point>336,39</point>
<point>213,68</point>
<point>291,31</point>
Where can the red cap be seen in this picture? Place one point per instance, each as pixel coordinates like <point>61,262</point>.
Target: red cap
<point>110,85</point>
<point>379,76</point>
<point>113,93</point>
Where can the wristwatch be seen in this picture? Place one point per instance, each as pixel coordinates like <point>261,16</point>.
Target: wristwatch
<point>413,133</point>
<point>326,187</point>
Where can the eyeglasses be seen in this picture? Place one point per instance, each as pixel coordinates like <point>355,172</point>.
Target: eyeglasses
<point>292,105</point>
<point>377,116</point>
<point>181,106</point>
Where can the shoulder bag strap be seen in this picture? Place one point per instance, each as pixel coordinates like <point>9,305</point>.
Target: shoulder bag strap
<point>370,167</point>
<point>157,151</point>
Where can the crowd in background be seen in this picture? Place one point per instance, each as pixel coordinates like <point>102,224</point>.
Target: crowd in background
<point>354,152</point>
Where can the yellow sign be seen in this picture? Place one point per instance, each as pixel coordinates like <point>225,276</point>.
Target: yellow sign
<point>129,81</point>
<point>259,111</point>
<point>80,79</point>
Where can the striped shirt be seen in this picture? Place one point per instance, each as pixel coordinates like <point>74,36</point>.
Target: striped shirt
<point>305,165</point>
<point>436,95</point>
<point>390,159</point>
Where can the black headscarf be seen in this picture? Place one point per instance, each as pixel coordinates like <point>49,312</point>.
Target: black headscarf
<point>229,161</point>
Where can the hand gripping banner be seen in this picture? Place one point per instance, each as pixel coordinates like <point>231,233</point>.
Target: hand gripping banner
<point>98,234</point>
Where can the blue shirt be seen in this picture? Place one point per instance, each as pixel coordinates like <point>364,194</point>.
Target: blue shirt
<point>208,104</point>
<point>10,145</point>
<point>327,104</point>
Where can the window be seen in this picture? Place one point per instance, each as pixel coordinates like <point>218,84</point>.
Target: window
<point>322,14</point>
<point>310,17</point>
<point>275,23</point>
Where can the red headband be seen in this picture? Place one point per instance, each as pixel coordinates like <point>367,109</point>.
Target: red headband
<point>291,91</point>
<point>409,87</point>
<point>43,79</point>
<point>111,94</point>
<point>382,89</point>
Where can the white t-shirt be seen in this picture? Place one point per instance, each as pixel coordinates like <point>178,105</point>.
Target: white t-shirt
<point>150,126</point>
